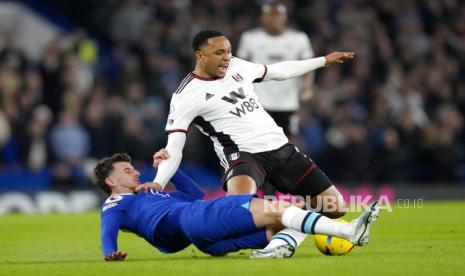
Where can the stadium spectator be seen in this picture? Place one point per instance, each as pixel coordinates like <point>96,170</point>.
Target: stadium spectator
<point>69,140</point>
<point>5,131</point>
<point>33,146</point>
<point>274,42</point>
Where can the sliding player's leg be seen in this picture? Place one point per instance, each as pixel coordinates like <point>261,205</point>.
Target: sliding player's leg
<point>216,226</point>
<point>267,213</point>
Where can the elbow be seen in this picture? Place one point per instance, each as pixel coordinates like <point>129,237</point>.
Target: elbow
<point>198,193</point>
<point>201,194</point>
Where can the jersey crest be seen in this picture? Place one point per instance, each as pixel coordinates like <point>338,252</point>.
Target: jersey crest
<point>238,77</point>
<point>234,156</point>
<point>112,199</point>
<point>158,193</point>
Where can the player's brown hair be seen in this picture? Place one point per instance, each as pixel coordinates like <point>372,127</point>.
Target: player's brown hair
<point>105,166</point>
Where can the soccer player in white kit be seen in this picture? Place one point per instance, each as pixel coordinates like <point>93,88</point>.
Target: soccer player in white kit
<point>218,97</point>
<point>274,42</point>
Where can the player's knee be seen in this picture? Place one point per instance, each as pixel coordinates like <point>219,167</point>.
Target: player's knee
<point>271,211</point>
<point>240,185</point>
<point>283,205</point>
<point>336,214</point>
<point>337,208</point>
<point>330,203</point>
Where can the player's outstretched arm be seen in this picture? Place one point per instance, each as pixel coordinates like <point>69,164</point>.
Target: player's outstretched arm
<point>110,223</point>
<point>116,256</point>
<point>292,69</point>
<point>168,167</point>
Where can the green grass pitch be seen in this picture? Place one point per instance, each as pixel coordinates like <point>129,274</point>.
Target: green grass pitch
<point>416,241</point>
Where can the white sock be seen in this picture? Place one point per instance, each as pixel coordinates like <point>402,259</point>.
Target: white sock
<point>327,226</point>
<point>314,223</point>
<point>286,236</point>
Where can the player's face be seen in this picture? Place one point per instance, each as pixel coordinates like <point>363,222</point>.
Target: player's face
<point>215,56</point>
<point>124,176</point>
<point>274,18</point>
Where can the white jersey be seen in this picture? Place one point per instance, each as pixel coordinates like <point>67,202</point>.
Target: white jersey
<point>259,47</point>
<point>227,110</point>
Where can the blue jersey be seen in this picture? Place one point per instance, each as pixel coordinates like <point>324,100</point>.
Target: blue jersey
<point>141,214</point>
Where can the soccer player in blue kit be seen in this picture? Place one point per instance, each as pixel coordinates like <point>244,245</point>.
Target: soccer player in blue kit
<point>171,221</point>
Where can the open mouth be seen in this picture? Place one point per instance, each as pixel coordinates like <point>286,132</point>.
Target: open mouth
<point>223,67</point>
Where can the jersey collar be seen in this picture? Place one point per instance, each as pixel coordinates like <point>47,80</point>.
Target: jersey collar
<point>202,78</point>
<point>122,194</point>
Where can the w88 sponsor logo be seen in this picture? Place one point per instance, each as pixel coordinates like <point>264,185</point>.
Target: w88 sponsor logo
<point>249,105</point>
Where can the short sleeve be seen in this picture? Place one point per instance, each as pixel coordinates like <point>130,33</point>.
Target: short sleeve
<point>254,71</point>
<point>183,110</point>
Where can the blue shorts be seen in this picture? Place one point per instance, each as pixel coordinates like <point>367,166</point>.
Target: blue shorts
<point>222,225</point>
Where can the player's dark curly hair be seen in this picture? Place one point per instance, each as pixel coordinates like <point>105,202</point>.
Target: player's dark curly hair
<point>105,166</point>
<point>201,37</point>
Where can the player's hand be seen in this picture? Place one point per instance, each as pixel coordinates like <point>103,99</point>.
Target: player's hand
<point>116,256</point>
<point>160,156</point>
<point>147,186</point>
<point>338,57</point>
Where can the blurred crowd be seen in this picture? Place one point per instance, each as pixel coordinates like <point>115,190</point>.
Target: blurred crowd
<point>394,114</point>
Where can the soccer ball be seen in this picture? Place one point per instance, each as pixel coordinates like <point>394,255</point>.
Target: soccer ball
<point>332,246</point>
